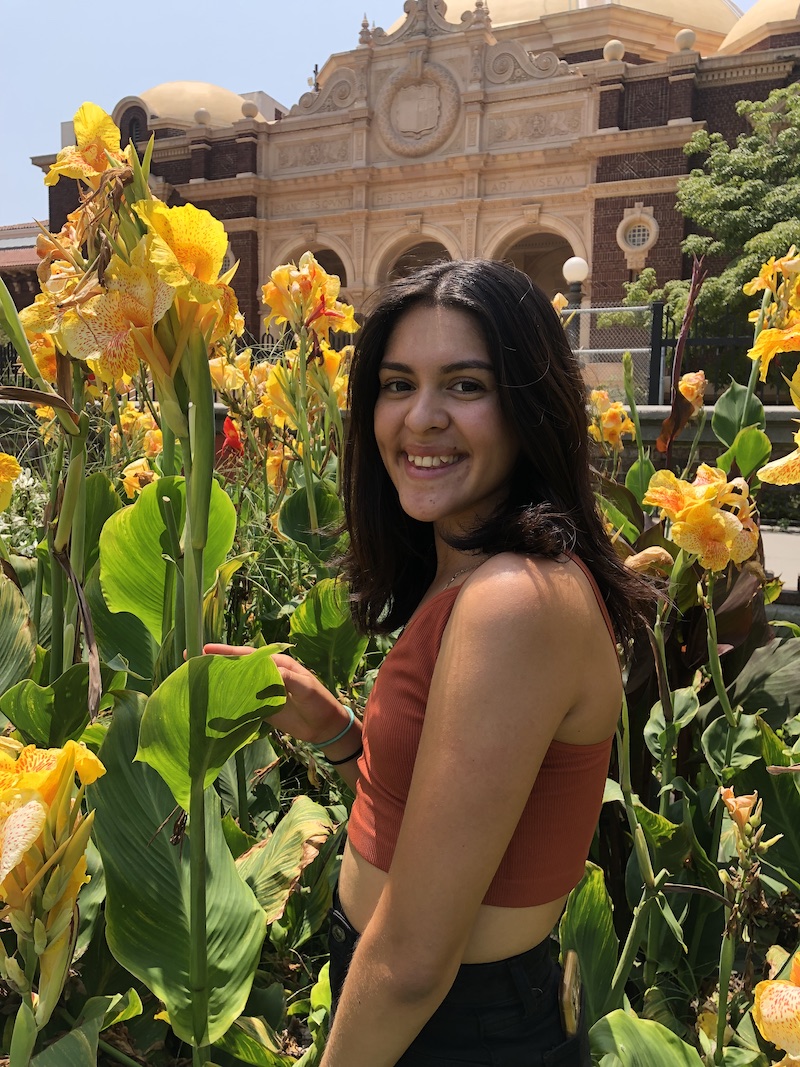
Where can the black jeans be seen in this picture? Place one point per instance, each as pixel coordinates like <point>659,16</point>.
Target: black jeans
<point>503,1014</point>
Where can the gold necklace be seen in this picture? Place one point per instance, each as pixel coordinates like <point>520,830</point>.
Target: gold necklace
<point>464,570</point>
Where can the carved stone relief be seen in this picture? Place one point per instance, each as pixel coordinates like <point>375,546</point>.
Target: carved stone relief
<point>340,92</point>
<point>416,194</point>
<point>526,127</point>
<point>417,107</point>
<point>308,205</point>
<point>510,62</point>
<point>313,154</point>
<point>428,18</point>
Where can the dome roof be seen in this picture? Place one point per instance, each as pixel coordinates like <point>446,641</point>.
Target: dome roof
<point>175,103</point>
<point>717,15</point>
<point>755,25</point>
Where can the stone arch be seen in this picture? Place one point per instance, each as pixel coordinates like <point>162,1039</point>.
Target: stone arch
<point>395,249</point>
<point>539,251</point>
<point>131,117</point>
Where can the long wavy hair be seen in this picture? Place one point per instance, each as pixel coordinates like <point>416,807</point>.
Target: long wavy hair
<point>550,508</point>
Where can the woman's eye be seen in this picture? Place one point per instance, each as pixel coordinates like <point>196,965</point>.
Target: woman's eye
<point>468,385</point>
<point>395,385</point>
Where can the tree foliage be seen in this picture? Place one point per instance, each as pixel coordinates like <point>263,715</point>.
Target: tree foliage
<point>745,198</point>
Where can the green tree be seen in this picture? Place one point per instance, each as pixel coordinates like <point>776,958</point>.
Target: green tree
<point>745,198</point>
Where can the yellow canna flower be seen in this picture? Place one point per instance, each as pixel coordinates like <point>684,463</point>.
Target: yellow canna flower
<point>10,470</point>
<point>776,1012</point>
<point>153,442</point>
<point>610,424</point>
<point>600,400</point>
<point>559,302</point>
<point>44,354</point>
<point>692,387</point>
<point>136,476</point>
<point>714,535</point>
<point>784,471</point>
<point>767,278</point>
<point>98,138</point>
<point>225,376</point>
<point>188,249</point>
<point>306,297</point>
<point>770,342</point>
<point>672,494</point>
<point>22,818</point>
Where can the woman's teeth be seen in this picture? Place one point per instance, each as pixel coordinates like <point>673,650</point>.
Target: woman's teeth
<point>431,461</point>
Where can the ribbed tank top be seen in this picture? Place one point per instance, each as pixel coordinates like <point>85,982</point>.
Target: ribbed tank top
<point>545,857</point>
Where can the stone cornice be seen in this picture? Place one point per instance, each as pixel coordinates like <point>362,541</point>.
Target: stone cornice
<point>633,187</point>
<point>754,66</point>
<point>647,139</point>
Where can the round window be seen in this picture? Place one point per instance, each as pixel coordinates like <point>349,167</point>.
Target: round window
<point>637,236</point>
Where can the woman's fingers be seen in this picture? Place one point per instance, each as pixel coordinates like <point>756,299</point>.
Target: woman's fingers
<point>227,650</point>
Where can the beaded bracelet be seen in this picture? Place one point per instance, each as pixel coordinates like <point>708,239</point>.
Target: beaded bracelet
<point>341,733</point>
<point>339,762</point>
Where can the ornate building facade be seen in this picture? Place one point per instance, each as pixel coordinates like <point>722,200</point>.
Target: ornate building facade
<point>529,130</point>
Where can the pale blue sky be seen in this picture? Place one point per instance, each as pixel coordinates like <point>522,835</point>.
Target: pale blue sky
<point>57,54</point>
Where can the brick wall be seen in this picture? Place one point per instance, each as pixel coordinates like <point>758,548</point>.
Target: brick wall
<point>234,207</point>
<point>175,171</point>
<point>245,248</point>
<point>23,285</point>
<point>597,53</point>
<point>223,161</point>
<point>716,106</point>
<point>780,40</point>
<point>63,198</point>
<point>658,164</point>
<point>645,103</point>
<point>609,267</point>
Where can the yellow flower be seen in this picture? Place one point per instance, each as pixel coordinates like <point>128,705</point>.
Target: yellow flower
<point>776,1012</point>
<point>116,327</point>
<point>772,341</point>
<point>44,354</point>
<point>784,471</point>
<point>653,560</point>
<point>739,808</point>
<point>767,278</point>
<point>714,535</point>
<point>692,387</point>
<point>98,138</point>
<point>305,296</point>
<point>136,476</point>
<point>600,400</point>
<point>225,376</point>
<point>673,495</point>
<point>188,249</point>
<point>559,302</point>
<point>611,424</point>
<point>10,470</point>
<point>153,442</point>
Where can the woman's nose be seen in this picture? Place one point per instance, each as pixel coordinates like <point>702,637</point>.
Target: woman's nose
<point>426,412</point>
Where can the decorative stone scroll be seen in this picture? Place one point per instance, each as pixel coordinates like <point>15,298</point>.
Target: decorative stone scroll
<point>510,62</point>
<point>417,107</point>
<point>427,18</point>
<point>339,93</point>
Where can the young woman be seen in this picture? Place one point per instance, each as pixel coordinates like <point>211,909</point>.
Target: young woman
<point>480,768</point>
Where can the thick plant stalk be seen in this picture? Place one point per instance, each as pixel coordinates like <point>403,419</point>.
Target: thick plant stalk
<point>305,437</point>
<point>766,300</point>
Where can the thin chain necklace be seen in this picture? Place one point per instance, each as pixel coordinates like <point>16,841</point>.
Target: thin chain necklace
<point>464,570</point>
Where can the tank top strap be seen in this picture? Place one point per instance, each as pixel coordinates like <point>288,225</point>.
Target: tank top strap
<point>598,595</point>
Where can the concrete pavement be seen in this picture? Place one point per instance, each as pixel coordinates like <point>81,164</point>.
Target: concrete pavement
<point>782,553</point>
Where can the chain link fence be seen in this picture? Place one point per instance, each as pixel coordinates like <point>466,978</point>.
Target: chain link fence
<point>600,336</point>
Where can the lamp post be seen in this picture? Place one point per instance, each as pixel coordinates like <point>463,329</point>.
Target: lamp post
<point>575,271</point>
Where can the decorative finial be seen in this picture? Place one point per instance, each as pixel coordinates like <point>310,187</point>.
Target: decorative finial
<point>202,116</point>
<point>365,37</point>
<point>613,51</point>
<point>250,109</point>
<point>684,40</point>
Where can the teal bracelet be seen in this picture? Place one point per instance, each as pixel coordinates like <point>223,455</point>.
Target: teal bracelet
<point>341,733</point>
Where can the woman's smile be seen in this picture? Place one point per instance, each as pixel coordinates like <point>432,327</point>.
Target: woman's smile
<point>438,422</point>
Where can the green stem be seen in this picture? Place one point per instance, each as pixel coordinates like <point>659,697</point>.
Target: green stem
<point>766,300</point>
<point>123,444</point>
<point>241,789</point>
<point>656,636</point>
<point>167,451</point>
<point>631,947</point>
<point>305,437</point>
<point>701,422</point>
<point>726,955</point>
<point>715,666</point>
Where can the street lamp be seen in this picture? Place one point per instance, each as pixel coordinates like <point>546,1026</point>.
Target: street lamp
<point>575,271</point>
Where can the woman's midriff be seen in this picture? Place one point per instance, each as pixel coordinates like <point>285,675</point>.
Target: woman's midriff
<point>497,933</point>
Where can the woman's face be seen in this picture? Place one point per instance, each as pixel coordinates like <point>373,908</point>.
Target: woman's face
<point>441,433</point>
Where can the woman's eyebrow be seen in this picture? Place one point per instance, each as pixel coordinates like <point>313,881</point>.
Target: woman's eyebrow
<point>447,368</point>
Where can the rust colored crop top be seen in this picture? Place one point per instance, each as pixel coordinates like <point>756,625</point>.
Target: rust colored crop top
<point>559,818</point>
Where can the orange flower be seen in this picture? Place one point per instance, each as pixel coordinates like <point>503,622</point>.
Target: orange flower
<point>611,424</point>
<point>714,535</point>
<point>739,808</point>
<point>692,387</point>
<point>233,441</point>
<point>306,297</point>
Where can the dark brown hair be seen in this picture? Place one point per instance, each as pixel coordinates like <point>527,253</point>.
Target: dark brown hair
<point>550,507</point>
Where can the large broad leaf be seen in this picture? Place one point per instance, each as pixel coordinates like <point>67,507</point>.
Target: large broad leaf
<point>102,501</point>
<point>52,714</point>
<point>324,636</point>
<point>640,1043</point>
<point>587,926</point>
<point>294,520</point>
<point>273,867</point>
<point>147,886</point>
<point>745,749</point>
<point>134,541</point>
<point>78,1048</point>
<point>17,636</point>
<point>769,682</point>
<point>638,477</point>
<point>251,1041</point>
<point>25,570</point>
<point>232,695</point>
<point>121,634</point>
<point>750,450</point>
<point>735,410</point>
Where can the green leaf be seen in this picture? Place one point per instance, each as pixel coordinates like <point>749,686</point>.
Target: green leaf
<point>746,747</point>
<point>587,926</point>
<point>237,692</point>
<point>102,501</point>
<point>671,842</point>
<point>215,599</point>
<point>768,682</point>
<point>750,450</point>
<point>638,477</point>
<point>78,1048</point>
<point>92,896</point>
<point>735,410</point>
<point>660,736</point>
<point>294,521</point>
<point>134,541</point>
<point>324,635</point>
<point>272,868</point>
<point>121,634</point>
<point>17,636</point>
<point>640,1043</point>
<point>250,1040</point>
<point>147,913</point>
<point>49,715</point>
<point>25,570</point>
